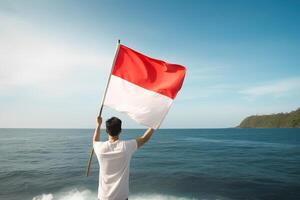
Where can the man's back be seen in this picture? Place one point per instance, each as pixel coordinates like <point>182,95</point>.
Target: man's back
<point>114,160</point>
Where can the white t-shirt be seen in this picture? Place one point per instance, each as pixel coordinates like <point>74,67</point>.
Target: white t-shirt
<point>114,161</point>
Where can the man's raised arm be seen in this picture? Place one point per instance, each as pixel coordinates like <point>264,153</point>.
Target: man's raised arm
<point>143,139</point>
<point>96,136</point>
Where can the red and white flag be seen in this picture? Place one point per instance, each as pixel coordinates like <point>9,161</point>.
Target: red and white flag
<point>143,87</point>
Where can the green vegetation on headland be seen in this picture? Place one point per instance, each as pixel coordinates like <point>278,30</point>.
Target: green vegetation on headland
<point>280,120</point>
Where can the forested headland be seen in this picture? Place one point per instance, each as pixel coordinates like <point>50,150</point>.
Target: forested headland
<point>279,120</point>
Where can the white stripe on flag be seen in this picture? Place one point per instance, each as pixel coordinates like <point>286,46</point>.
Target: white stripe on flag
<point>144,106</point>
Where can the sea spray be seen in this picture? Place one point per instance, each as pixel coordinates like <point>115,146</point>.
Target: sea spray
<point>43,197</point>
<point>85,194</point>
<point>157,197</point>
<point>73,194</point>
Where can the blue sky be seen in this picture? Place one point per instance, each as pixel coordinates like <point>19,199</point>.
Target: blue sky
<point>242,58</point>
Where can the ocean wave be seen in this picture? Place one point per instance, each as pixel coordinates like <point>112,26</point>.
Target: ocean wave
<point>85,194</point>
<point>73,194</point>
<point>240,142</point>
<point>157,197</point>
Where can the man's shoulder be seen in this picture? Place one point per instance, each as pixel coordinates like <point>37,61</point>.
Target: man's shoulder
<point>129,141</point>
<point>130,145</point>
<point>97,144</point>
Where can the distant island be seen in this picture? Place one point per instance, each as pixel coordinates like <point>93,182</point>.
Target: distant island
<point>279,120</point>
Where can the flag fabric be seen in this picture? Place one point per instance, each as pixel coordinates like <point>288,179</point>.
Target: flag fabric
<point>143,87</point>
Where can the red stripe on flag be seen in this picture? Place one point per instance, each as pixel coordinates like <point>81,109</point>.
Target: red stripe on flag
<point>149,73</point>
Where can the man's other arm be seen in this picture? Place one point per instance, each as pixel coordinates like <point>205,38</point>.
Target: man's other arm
<point>96,136</point>
<point>143,139</point>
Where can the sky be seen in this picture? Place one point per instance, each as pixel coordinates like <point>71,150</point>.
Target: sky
<point>242,58</point>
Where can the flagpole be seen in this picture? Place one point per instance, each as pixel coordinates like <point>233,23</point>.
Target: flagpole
<point>87,170</point>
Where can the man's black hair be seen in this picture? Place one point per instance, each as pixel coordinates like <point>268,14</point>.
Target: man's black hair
<point>113,126</point>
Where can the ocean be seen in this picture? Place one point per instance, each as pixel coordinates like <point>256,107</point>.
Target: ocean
<point>176,164</point>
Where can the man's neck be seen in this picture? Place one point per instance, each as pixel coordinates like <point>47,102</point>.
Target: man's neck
<point>112,139</point>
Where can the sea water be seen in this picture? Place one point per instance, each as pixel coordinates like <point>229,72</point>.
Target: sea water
<point>176,164</point>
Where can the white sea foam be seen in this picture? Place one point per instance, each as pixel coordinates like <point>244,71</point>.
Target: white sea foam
<point>76,194</point>
<point>73,194</point>
<point>157,197</point>
<point>43,197</point>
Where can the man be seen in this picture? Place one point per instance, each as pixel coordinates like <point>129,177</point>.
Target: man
<point>114,157</point>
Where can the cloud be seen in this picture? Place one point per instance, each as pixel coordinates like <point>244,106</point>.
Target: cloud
<point>205,74</point>
<point>279,88</point>
<point>207,81</point>
<point>32,57</point>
